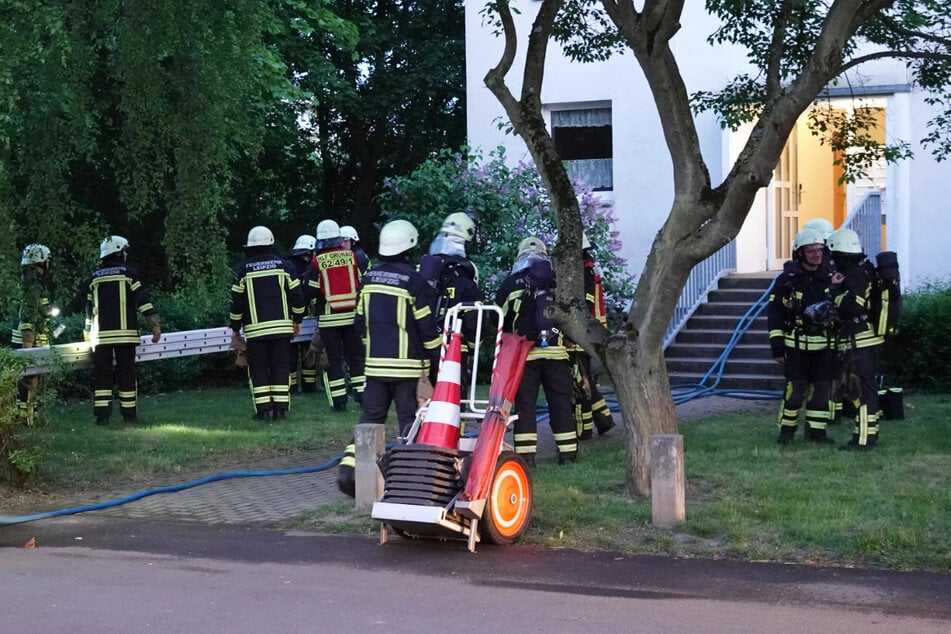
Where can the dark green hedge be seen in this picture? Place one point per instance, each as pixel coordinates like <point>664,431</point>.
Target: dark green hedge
<point>919,355</point>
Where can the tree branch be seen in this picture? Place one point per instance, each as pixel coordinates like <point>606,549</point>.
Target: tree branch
<point>495,78</point>
<point>534,73</point>
<point>894,55</point>
<point>775,51</point>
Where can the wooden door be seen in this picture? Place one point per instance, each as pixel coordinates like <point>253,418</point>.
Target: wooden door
<point>785,203</point>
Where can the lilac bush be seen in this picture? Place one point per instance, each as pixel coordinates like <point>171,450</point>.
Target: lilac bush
<point>507,204</point>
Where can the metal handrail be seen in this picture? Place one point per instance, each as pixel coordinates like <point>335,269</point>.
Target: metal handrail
<point>866,220</point>
<point>703,279</point>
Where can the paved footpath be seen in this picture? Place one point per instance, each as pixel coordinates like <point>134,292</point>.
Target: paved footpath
<point>267,501</point>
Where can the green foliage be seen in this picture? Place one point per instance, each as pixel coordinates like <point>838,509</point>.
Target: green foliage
<point>507,204</point>
<point>11,419</point>
<point>19,457</point>
<point>780,39</point>
<point>398,96</point>
<point>135,120</point>
<point>180,313</point>
<point>917,356</point>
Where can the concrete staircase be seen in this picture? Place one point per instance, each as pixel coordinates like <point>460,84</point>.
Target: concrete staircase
<point>706,334</point>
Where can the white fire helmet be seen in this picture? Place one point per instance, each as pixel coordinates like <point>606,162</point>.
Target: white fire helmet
<point>823,226</point>
<point>327,230</point>
<point>260,237</point>
<point>397,236</point>
<point>112,244</point>
<point>304,244</point>
<point>807,236</point>
<point>349,233</point>
<point>459,224</point>
<point>845,241</point>
<point>35,254</point>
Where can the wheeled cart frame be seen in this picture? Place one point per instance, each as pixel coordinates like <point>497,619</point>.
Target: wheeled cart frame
<point>475,486</point>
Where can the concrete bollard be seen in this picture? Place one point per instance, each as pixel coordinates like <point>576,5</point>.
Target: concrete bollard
<point>369,444</point>
<point>668,488</point>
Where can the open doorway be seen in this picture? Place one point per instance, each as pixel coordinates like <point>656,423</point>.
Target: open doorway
<point>806,185</point>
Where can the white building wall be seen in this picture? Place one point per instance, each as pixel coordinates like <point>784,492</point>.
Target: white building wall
<point>923,221</point>
<point>917,193</point>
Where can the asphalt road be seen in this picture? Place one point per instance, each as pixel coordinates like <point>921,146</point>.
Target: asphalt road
<point>89,574</point>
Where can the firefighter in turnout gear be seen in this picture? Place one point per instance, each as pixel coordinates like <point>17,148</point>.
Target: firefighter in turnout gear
<point>351,240</point>
<point>453,277</point>
<point>800,323</point>
<point>267,301</point>
<point>591,410</point>
<point>524,297</point>
<point>339,281</point>
<point>304,365</point>
<point>857,341</point>
<point>33,328</point>
<point>396,323</point>
<point>114,294</point>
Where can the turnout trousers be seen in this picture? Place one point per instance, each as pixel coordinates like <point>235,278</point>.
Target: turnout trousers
<point>808,382</point>
<point>863,364</point>
<point>269,374</point>
<point>345,355</point>
<point>114,365</point>
<point>303,374</point>
<point>555,377</point>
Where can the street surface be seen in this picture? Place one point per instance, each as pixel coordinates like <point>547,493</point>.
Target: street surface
<point>95,574</point>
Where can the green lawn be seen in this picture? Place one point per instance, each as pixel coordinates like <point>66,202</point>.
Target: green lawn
<point>750,498</point>
<point>746,496</point>
<point>180,433</point>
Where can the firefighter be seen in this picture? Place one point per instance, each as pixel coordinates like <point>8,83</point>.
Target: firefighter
<point>800,323</point>
<point>453,277</point>
<point>857,341</point>
<point>267,301</point>
<point>115,292</point>
<point>351,240</point>
<point>33,328</point>
<point>524,296</point>
<point>591,410</point>
<point>302,261</point>
<point>339,281</point>
<point>396,322</point>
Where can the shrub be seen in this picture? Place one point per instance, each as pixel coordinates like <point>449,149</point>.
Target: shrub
<point>18,459</point>
<point>917,356</point>
<point>507,204</point>
<point>178,313</point>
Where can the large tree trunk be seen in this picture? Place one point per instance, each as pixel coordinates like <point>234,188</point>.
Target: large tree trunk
<point>643,392</point>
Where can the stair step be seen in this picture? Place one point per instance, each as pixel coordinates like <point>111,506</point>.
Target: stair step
<point>760,282</point>
<point>747,296</point>
<point>708,331</point>
<point>720,337</point>
<point>763,367</point>
<point>713,350</point>
<point>724,308</point>
<point>732,382</point>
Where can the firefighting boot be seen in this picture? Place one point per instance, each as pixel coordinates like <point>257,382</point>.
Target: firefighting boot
<point>786,433</point>
<point>818,436</point>
<point>853,445</point>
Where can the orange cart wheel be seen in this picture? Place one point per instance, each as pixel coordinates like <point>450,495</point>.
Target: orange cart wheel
<point>508,509</point>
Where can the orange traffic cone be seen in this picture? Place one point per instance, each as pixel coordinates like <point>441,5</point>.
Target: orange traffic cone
<point>440,428</point>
